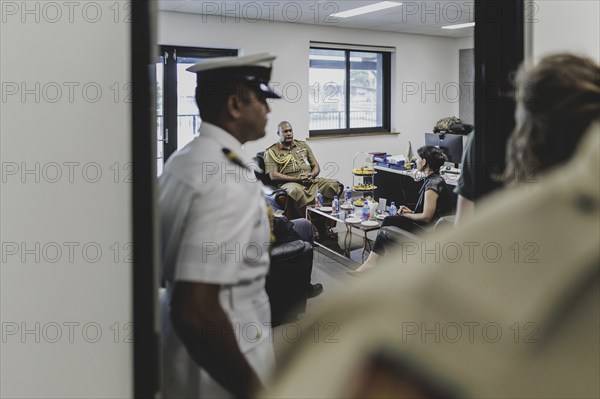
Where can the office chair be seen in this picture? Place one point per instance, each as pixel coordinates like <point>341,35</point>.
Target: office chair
<point>445,222</point>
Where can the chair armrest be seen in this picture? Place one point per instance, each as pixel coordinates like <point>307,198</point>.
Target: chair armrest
<point>445,222</point>
<point>277,197</point>
<point>289,250</point>
<point>270,191</point>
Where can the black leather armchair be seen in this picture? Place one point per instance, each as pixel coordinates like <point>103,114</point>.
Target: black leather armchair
<point>276,197</point>
<point>288,279</point>
<point>291,262</point>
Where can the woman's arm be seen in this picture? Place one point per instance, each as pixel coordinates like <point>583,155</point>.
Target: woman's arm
<point>429,207</point>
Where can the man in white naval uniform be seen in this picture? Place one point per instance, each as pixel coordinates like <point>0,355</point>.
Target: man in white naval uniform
<point>216,336</point>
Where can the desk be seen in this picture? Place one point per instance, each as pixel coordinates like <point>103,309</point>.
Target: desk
<point>401,187</point>
<point>341,219</point>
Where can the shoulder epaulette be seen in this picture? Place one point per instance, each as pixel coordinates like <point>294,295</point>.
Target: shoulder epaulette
<point>232,156</point>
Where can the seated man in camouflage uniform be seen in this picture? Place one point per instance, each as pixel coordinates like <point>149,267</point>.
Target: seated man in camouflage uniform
<point>291,164</point>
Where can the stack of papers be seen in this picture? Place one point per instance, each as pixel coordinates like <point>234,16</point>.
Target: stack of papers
<point>397,159</point>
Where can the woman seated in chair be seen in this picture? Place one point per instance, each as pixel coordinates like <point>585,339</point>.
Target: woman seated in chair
<point>433,203</point>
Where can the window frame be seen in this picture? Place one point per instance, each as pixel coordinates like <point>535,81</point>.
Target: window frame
<point>386,95</point>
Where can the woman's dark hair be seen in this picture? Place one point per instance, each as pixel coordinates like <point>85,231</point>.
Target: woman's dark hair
<point>434,157</point>
<point>557,101</point>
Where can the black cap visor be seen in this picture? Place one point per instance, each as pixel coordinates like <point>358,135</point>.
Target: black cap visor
<point>261,86</point>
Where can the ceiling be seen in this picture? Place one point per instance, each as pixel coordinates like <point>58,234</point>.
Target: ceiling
<point>418,17</point>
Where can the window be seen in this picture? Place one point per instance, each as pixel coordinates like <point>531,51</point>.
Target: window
<point>349,90</point>
<point>177,114</point>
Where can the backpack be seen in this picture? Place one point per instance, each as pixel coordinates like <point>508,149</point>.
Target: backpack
<point>443,125</point>
<point>453,125</point>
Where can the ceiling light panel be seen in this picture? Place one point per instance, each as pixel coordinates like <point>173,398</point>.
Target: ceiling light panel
<point>366,9</point>
<point>459,26</point>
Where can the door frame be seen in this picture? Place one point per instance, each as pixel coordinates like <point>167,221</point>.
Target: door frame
<point>144,200</point>
<point>499,50</point>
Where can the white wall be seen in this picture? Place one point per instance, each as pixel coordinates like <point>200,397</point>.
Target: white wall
<point>465,42</point>
<point>60,296</point>
<point>430,63</point>
<point>572,26</point>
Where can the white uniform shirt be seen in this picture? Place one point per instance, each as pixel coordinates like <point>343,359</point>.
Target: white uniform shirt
<point>214,229</point>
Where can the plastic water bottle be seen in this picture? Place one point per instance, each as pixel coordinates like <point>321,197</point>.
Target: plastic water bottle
<point>393,209</point>
<point>366,212</point>
<point>348,196</point>
<point>318,199</point>
<point>335,205</point>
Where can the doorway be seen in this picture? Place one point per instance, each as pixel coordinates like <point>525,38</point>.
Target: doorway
<point>177,119</point>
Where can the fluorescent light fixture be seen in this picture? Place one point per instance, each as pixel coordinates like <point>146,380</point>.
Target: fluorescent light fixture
<point>459,26</point>
<point>366,9</point>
